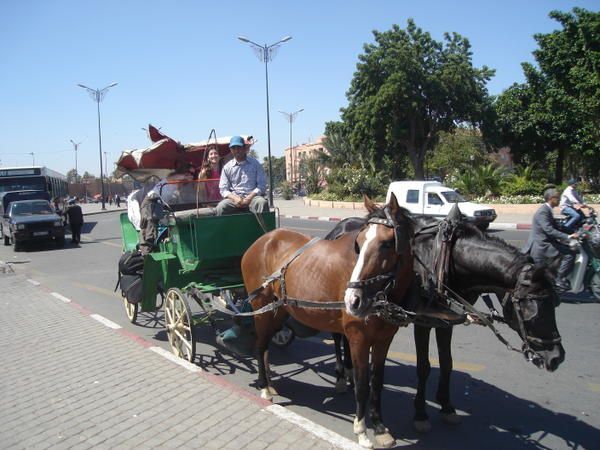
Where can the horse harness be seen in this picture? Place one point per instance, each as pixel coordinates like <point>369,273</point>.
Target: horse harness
<point>445,235</point>
<point>381,297</point>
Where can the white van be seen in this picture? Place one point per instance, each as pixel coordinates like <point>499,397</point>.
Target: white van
<point>432,198</point>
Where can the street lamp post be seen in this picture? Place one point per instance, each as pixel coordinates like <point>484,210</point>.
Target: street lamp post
<point>266,53</point>
<point>32,158</point>
<point>98,95</point>
<point>75,147</point>
<point>291,117</point>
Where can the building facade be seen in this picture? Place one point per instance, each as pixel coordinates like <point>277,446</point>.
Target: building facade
<point>294,157</point>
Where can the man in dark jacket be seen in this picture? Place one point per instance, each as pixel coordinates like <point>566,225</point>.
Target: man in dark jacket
<point>547,242</point>
<point>75,216</point>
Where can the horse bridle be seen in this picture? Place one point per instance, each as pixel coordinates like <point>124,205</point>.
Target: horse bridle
<point>516,296</point>
<point>390,222</point>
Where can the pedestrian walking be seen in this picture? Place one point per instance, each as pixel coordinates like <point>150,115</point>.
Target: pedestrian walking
<point>118,200</point>
<point>75,217</point>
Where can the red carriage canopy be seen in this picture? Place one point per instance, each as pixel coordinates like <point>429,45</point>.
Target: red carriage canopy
<point>166,154</point>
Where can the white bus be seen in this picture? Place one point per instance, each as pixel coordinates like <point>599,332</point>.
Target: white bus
<point>34,178</point>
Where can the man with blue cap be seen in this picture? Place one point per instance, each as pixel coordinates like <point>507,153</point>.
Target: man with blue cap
<point>570,205</point>
<point>242,184</point>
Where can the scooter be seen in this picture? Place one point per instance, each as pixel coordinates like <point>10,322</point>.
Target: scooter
<point>586,271</point>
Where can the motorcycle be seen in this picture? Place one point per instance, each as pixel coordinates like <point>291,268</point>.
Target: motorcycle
<point>586,271</point>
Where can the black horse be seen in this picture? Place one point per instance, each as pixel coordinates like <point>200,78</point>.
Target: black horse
<point>476,263</point>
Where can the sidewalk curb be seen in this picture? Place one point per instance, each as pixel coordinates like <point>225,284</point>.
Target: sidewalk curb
<point>104,212</point>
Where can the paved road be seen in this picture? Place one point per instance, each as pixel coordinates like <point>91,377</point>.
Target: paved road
<point>505,401</point>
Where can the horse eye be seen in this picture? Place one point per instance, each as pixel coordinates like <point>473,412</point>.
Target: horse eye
<point>387,244</point>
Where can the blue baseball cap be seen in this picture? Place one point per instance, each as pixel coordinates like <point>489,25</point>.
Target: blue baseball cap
<point>236,141</point>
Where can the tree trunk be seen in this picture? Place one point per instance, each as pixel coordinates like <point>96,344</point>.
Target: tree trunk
<point>417,158</point>
<point>560,161</point>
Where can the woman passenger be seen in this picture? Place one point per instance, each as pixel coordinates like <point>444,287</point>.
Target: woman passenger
<point>211,172</point>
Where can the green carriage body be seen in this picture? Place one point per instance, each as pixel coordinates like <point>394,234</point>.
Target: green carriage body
<point>200,251</point>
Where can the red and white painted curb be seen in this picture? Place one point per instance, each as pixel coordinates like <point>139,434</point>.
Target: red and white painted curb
<point>493,225</point>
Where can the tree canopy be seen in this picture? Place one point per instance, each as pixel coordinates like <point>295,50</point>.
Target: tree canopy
<point>408,88</point>
<point>555,114</point>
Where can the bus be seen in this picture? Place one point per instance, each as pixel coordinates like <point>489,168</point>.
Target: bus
<point>35,178</point>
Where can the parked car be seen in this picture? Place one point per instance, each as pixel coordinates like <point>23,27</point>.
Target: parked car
<point>432,198</point>
<point>31,220</point>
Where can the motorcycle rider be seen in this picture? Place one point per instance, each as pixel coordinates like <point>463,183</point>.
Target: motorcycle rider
<point>545,240</point>
<point>571,204</point>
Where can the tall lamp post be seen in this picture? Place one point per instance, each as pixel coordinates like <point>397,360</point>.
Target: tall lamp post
<point>98,95</point>
<point>32,158</point>
<point>291,117</point>
<point>266,53</point>
<point>75,147</point>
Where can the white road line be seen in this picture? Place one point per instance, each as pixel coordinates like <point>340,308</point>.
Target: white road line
<point>35,283</point>
<point>60,297</point>
<point>105,321</point>
<point>334,439</point>
<point>179,361</point>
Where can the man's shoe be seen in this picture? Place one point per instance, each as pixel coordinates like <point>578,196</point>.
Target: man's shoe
<point>562,285</point>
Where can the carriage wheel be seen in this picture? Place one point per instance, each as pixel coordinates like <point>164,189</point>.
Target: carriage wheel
<point>178,321</point>
<point>131,310</point>
<point>283,337</point>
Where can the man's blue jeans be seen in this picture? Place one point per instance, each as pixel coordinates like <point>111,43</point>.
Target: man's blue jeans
<point>574,218</point>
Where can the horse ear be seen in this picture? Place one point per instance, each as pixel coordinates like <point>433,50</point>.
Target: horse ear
<point>454,215</point>
<point>369,204</point>
<point>394,207</point>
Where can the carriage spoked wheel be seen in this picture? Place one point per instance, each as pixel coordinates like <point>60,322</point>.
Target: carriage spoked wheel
<point>131,310</point>
<point>178,321</point>
<point>283,337</point>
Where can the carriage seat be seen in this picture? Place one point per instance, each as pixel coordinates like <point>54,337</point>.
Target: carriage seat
<point>196,212</point>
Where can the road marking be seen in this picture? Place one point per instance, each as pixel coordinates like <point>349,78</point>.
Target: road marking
<point>97,289</point>
<point>179,361</point>
<point>105,321</point>
<point>334,439</point>
<point>62,298</point>
<point>594,387</point>
<point>93,241</point>
<point>35,283</point>
<point>409,357</point>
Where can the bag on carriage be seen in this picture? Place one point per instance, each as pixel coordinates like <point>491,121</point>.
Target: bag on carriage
<point>131,269</point>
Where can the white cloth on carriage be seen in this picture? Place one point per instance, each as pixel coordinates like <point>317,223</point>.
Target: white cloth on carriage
<point>133,210</point>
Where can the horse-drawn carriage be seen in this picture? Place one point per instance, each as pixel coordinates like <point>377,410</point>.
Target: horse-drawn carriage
<point>195,256</point>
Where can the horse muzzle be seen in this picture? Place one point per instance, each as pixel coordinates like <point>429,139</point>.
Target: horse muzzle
<point>548,359</point>
<point>357,303</point>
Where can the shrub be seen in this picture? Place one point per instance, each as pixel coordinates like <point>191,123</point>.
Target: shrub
<point>522,186</point>
<point>286,190</point>
<point>352,182</point>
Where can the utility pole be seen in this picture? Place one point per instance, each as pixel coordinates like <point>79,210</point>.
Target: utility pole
<point>265,53</point>
<point>291,117</point>
<point>76,147</point>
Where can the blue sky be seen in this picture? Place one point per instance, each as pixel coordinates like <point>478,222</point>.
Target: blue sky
<point>180,66</point>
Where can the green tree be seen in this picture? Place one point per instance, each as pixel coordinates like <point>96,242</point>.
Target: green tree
<point>71,176</point>
<point>407,89</point>
<point>87,176</point>
<point>555,115</point>
<point>278,165</point>
<point>456,150</point>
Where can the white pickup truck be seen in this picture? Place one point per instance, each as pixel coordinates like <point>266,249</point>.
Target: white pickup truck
<point>432,198</point>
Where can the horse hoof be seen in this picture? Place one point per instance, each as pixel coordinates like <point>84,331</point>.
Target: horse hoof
<point>385,440</point>
<point>265,394</point>
<point>364,441</point>
<point>341,386</point>
<point>273,391</point>
<point>452,418</point>
<point>360,426</point>
<point>422,426</point>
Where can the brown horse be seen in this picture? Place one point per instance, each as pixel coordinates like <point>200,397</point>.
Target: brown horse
<point>374,262</point>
